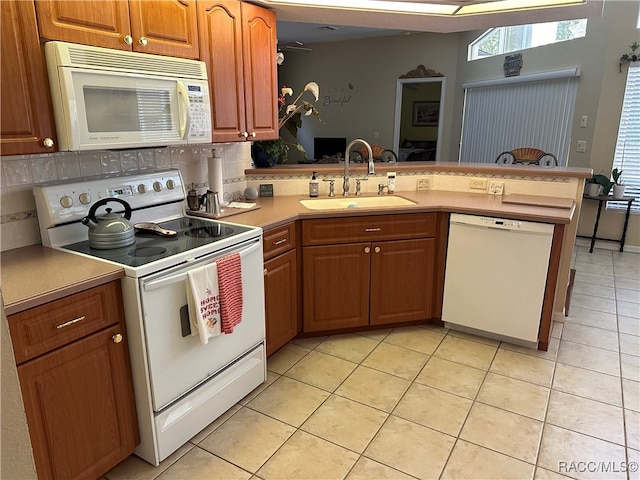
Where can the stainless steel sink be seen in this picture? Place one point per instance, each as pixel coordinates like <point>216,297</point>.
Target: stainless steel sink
<point>337,203</point>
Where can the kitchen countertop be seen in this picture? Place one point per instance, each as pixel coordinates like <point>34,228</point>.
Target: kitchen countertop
<point>35,275</point>
<point>275,211</point>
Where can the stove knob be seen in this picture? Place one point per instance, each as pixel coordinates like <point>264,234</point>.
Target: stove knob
<point>85,198</point>
<point>157,186</point>
<point>66,201</point>
<point>142,188</point>
<point>171,184</point>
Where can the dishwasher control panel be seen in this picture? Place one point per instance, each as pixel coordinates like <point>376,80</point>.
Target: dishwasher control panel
<point>497,222</point>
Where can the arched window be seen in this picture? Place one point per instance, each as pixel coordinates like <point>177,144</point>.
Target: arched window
<point>500,40</point>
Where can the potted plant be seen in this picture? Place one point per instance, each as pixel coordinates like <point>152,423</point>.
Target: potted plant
<point>598,185</point>
<point>266,153</point>
<point>618,187</point>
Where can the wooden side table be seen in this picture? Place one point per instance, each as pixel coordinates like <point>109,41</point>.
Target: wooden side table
<point>609,198</point>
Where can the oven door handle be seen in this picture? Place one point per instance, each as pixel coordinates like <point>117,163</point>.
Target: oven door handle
<point>182,275</point>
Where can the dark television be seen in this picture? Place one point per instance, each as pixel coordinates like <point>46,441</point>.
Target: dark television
<point>328,147</point>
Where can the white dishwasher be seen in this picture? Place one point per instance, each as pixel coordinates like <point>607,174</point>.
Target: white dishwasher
<point>495,277</point>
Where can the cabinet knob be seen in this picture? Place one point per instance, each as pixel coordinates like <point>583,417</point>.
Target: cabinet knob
<point>367,249</point>
<point>244,134</point>
<point>265,272</point>
<point>377,249</point>
<point>48,142</point>
<point>252,134</point>
<point>117,338</point>
<point>143,41</point>
<point>128,39</point>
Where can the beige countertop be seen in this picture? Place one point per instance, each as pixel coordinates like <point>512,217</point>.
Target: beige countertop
<point>35,275</point>
<point>276,211</point>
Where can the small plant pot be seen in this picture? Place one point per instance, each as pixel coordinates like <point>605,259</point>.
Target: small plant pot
<point>593,189</point>
<point>618,191</point>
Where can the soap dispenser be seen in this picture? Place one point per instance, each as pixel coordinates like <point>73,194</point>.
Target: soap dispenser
<point>313,186</point>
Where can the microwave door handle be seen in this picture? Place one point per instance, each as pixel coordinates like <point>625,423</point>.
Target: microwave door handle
<point>184,118</point>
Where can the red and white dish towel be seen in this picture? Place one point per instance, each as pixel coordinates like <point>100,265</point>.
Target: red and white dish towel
<point>230,285</point>
<point>203,299</point>
<point>214,297</point>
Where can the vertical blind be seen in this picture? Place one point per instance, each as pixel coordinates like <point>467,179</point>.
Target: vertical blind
<point>627,156</point>
<point>505,115</point>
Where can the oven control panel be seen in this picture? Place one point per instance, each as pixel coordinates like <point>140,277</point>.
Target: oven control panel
<point>70,202</point>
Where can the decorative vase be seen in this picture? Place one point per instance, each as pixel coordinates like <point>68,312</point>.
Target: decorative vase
<point>618,191</point>
<point>261,158</point>
<point>593,189</point>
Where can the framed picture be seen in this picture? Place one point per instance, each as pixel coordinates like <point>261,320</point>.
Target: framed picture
<point>425,114</point>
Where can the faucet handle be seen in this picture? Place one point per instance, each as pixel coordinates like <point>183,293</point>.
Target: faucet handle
<point>381,187</point>
<point>331,181</point>
<point>358,180</point>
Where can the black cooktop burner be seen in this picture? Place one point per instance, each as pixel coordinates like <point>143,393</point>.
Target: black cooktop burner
<point>149,247</point>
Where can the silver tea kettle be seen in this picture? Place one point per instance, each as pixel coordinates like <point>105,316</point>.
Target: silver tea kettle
<point>211,202</point>
<point>110,230</point>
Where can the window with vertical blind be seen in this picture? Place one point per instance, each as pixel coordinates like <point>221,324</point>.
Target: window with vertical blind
<point>526,111</point>
<point>627,156</point>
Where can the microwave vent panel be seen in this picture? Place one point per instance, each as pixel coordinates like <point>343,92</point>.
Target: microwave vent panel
<point>83,56</point>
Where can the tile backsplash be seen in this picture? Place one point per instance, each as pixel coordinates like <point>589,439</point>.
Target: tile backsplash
<point>18,219</point>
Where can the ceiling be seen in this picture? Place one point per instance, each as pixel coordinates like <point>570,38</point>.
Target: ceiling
<point>310,24</point>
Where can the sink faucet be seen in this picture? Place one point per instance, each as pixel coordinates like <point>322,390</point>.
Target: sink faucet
<point>372,170</point>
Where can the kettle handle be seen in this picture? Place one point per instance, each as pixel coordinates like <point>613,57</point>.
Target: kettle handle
<point>92,211</point>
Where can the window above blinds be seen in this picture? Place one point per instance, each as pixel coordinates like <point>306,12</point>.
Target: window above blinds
<point>627,156</point>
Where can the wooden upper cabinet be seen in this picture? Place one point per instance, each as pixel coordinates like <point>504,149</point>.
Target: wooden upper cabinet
<point>259,45</point>
<point>220,32</point>
<point>162,27</point>
<point>165,27</point>
<point>238,44</point>
<point>27,118</point>
<point>100,23</point>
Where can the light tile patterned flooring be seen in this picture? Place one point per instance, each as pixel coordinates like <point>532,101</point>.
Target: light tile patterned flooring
<point>425,402</point>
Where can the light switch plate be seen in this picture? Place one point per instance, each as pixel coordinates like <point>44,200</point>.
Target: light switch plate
<point>582,146</point>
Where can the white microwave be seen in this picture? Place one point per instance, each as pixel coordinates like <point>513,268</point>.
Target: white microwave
<point>110,99</point>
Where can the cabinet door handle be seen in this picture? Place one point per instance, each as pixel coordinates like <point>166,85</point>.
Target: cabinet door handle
<point>252,134</point>
<point>367,249</point>
<point>70,322</point>
<point>128,39</point>
<point>280,242</point>
<point>265,272</point>
<point>373,229</point>
<point>143,41</point>
<point>48,142</point>
<point>377,249</point>
<point>117,338</point>
<point>243,134</point>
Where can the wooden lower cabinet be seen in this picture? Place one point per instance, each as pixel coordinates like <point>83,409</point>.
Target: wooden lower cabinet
<point>281,303</point>
<point>280,285</point>
<point>335,282</point>
<point>402,281</point>
<point>78,395</point>
<point>351,283</point>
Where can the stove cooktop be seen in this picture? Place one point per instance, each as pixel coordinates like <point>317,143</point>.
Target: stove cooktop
<point>149,247</point>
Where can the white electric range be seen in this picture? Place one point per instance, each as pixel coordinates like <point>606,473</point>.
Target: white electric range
<point>180,385</point>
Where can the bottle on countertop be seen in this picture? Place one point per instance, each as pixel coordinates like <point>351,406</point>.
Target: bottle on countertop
<point>313,186</point>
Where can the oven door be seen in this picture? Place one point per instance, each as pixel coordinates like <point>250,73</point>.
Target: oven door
<point>178,362</point>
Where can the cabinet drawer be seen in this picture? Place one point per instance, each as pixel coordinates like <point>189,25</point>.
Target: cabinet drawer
<point>371,228</point>
<point>278,240</point>
<point>44,328</point>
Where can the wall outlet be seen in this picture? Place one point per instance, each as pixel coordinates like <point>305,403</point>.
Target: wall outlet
<point>582,146</point>
<point>391,181</point>
<point>478,183</point>
<point>423,184</point>
<point>496,188</point>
